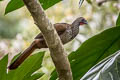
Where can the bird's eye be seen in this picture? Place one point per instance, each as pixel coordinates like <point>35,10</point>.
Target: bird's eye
<point>83,20</point>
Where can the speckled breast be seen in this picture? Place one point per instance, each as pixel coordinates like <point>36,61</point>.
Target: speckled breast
<point>66,36</point>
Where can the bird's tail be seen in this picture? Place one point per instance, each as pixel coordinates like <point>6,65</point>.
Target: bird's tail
<point>23,56</point>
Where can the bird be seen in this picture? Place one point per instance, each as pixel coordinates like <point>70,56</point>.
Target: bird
<point>66,32</point>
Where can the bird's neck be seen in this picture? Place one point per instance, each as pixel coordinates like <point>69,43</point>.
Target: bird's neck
<point>75,29</point>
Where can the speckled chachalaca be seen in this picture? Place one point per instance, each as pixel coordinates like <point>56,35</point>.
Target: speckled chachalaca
<point>66,32</point>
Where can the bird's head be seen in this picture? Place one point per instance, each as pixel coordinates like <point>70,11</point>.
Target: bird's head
<point>80,21</point>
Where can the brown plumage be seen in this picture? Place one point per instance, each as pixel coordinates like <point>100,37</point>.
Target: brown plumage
<point>66,32</point>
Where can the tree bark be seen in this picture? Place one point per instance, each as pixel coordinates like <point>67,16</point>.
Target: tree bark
<point>52,39</point>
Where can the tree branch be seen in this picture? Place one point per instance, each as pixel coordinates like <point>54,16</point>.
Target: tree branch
<point>53,41</point>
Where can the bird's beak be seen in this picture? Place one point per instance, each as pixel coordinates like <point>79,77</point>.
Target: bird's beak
<point>85,22</point>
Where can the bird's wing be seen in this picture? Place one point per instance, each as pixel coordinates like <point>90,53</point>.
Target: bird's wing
<point>60,28</point>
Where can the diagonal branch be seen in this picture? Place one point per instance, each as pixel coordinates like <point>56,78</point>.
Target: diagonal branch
<point>53,41</point>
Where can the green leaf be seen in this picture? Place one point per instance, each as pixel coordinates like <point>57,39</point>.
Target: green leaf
<point>92,51</point>
<point>13,5</point>
<point>16,4</point>
<point>29,66</point>
<point>118,20</point>
<point>15,57</point>
<point>48,3</point>
<point>3,68</point>
<point>105,69</point>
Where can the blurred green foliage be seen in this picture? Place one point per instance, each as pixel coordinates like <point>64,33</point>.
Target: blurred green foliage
<point>8,28</point>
